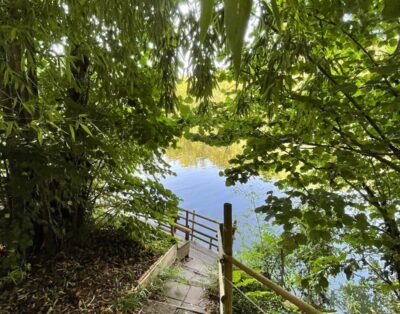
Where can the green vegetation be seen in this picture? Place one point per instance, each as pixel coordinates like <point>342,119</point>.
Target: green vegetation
<point>318,97</point>
<point>133,301</point>
<point>195,153</point>
<point>362,298</point>
<point>83,118</point>
<point>90,102</point>
<point>93,276</point>
<point>290,269</point>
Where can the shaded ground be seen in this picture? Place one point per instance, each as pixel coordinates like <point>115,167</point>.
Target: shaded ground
<point>186,292</point>
<point>83,279</point>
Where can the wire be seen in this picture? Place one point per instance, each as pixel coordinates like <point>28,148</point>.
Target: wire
<point>245,296</point>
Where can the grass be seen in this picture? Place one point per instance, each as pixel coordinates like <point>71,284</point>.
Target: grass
<point>212,290</point>
<point>134,301</point>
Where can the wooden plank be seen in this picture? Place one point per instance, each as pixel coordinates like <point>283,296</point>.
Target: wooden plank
<point>193,215</point>
<point>163,262</point>
<point>307,308</point>
<point>221,286</point>
<point>220,269</point>
<point>227,244</point>
<point>183,250</point>
<point>187,225</point>
<point>208,219</point>
<point>199,224</point>
<point>205,241</point>
<point>206,235</point>
<point>184,229</point>
<point>181,228</point>
<point>220,245</point>
<point>201,216</point>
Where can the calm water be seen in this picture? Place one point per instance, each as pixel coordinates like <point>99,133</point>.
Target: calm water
<point>200,187</point>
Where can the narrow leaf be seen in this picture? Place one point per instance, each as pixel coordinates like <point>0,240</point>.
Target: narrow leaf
<point>206,7</point>
<point>237,13</point>
<point>277,15</point>
<point>27,108</point>
<point>40,136</point>
<point>72,131</point>
<point>9,128</point>
<point>86,129</point>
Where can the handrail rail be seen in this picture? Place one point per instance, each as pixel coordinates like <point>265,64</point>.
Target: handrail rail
<point>224,238</point>
<point>198,223</point>
<point>201,216</point>
<point>226,259</point>
<point>220,270</point>
<point>307,308</point>
<point>190,231</point>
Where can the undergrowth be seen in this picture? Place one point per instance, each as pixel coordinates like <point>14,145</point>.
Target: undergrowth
<point>86,277</point>
<point>134,301</point>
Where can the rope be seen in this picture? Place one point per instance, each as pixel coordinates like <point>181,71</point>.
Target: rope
<point>245,296</point>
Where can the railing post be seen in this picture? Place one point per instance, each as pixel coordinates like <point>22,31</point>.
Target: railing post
<point>227,244</point>
<point>187,225</point>
<point>193,217</point>
<point>220,269</point>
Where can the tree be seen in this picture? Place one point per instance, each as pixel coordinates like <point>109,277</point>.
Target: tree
<point>87,95</point>
<point>318,98</point>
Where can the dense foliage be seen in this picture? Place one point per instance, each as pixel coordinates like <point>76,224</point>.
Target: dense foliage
<point>87,92</point>
<point>266,255</point>
<point>318,98</point>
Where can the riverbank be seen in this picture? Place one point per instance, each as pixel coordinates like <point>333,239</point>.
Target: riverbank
<point>90,277</point>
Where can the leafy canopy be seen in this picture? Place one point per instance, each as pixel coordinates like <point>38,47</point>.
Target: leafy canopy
<point>87,95</point>
<point>318,98</point>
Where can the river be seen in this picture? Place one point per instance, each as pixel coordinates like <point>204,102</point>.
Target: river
<point>200,187</point>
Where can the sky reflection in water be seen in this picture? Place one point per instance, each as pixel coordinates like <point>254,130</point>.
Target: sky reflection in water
<point>201,188</point>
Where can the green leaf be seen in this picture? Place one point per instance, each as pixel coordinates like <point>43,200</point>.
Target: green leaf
<point>391,9</point>
<point>86,129</point>
<point>13,33</point>
<point>237,13</point>
<point>304,283</point>
<point>9,128</point>
<point>206,7</point>
<point>348,272</point>
<point>72,131</point>
<point>323,282</point>
<point>27,108</point>
<point>346,88</point>
<point>277,15</point>
<point>385,70</point>
<point>40,136</point>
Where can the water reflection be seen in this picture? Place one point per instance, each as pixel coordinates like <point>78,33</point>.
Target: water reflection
<point>198,184</point>
<point>200,155</point>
